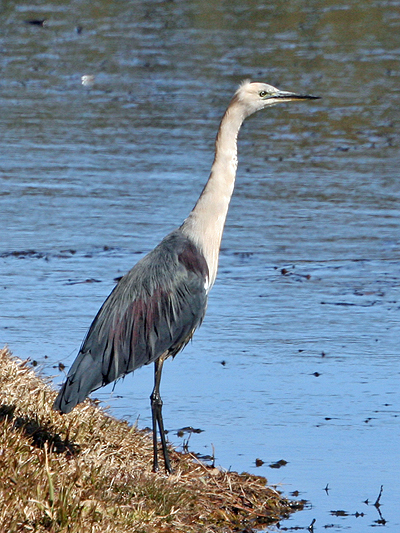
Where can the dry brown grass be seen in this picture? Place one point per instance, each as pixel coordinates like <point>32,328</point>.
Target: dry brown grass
<point>88,472</point>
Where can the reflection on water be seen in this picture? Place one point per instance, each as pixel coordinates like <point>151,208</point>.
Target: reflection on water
<point>305,312</point>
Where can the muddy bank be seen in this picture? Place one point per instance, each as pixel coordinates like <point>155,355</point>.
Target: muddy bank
<point>90,472</point>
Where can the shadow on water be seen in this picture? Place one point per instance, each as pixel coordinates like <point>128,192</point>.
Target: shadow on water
<point>108,121</point>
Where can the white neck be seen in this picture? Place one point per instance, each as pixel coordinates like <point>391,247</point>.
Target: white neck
<point>206,222</point>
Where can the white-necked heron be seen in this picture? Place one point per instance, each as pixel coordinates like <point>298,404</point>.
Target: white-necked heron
<point>156,307</point>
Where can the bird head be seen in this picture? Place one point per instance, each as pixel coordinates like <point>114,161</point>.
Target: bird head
<point>254,96</point>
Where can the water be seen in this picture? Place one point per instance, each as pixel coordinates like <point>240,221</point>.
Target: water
<point>305,313</point>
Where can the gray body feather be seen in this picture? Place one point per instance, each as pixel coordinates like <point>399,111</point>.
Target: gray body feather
<point>152,312</point>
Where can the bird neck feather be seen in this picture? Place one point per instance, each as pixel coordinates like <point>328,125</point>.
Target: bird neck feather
<point>206,222</point>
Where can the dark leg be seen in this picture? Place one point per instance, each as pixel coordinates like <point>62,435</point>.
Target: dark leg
<point>156,410</point>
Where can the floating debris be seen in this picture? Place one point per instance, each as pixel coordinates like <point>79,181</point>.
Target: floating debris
<point>87,80</point>
<point>36,22</point>
<point>188,429</point>
<point>278,464</point>
<point>340,512</point>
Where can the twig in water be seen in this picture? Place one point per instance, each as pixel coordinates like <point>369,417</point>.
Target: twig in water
<point>377,504</point>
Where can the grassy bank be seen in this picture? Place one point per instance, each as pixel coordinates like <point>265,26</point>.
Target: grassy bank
<point>88,472</point>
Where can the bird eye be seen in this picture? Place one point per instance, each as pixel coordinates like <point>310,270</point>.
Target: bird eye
<point>263,93</point>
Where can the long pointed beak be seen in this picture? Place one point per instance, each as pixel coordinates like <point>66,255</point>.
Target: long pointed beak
<point>284,95</point>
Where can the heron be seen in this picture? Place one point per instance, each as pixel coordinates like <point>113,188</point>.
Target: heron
<point>154,310</point>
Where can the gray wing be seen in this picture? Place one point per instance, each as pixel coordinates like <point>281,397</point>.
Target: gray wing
<point>154,310</point>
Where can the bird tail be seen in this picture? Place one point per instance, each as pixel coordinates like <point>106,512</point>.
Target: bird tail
<point>62,404</point>
<point>82,379</point>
